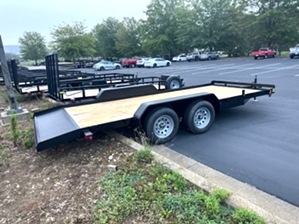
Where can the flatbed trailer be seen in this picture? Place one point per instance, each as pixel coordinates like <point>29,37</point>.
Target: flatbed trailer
<point>158,113</point>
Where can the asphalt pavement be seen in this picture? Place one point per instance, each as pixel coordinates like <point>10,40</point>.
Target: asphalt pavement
<point>257,143</point>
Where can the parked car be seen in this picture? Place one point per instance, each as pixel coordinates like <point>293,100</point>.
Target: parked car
<point>106,65</point>
<point>156,62</point>
<point>193,56</point>
<point>209,55</point>
<point>130,62</point>
<point>119,61</point>
<point>294,52</point>
<point>181,57</point>
<point>264,52</point>
<point>141,61</point>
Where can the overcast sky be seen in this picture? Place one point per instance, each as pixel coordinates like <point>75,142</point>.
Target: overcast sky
<point>18,16</point>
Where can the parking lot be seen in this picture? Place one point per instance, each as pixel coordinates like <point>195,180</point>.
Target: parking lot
<point>257,143</point>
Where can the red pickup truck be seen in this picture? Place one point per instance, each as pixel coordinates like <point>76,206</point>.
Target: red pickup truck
<point>263,53</point>
<point>129,62</point>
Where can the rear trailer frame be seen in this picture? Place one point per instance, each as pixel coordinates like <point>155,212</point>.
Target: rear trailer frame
<point>158,113</point>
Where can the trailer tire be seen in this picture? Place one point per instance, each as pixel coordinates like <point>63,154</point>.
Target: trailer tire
<point>161,125</point>
<point>199,117</point>
<point>173,82</point>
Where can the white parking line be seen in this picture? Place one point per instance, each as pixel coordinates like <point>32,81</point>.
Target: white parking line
<point>273,70</point>
<point>297,75</point>
<point>231,67</point>
<point>224,73</point>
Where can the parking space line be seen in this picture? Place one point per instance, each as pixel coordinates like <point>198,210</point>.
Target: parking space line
<point>230,67</point>
<point>224,73</point>
<point>297,75</point>
<point>273,70</point>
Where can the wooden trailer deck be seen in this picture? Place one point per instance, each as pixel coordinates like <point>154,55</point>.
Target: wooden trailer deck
<point>117,110</point>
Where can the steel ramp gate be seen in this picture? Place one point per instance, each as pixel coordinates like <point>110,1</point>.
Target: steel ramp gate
<point>54,128</point>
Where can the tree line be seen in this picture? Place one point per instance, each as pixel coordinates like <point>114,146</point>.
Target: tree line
<point>174,26</point>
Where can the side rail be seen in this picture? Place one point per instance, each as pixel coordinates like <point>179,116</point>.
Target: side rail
<point>253,85</point>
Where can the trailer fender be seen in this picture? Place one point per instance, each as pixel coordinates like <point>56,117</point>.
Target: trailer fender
<point>179,104</point>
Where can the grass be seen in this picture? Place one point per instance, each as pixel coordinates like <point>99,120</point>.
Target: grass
<point>144,188</point>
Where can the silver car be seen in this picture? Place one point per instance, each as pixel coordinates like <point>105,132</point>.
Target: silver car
<point>106,65</point>
<point>209,55</point>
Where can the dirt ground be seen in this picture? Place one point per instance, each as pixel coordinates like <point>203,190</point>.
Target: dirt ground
<point>56,185</point>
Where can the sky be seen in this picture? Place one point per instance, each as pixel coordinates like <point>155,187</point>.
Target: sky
<point>19,16</point>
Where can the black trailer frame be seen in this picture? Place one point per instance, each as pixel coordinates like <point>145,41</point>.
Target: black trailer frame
<point>139,106</point>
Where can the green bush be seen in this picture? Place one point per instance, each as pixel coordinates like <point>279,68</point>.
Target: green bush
<point>14,129</point>
<point>144,156</point>
<point>243,216</point>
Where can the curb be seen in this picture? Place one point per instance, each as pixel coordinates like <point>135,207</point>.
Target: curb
<point>274,210</point>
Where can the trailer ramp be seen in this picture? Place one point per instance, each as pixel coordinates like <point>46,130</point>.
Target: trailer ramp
<point>54,128</point>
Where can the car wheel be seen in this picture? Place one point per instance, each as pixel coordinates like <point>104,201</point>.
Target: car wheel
<point>255,58</point>
<point>209,58</point>
<point>266,56</point>
<point>161,125</point>
<point>167,64</point>
<point>199,117</point>
<point>102,69</point>
<point>173,82</point>
<point>132,65</point>
<point>117,67</point>
<point>155,65</point>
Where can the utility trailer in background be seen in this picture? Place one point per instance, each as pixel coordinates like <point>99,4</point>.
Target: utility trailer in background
<point>79,86</point>
<point>158,113</point>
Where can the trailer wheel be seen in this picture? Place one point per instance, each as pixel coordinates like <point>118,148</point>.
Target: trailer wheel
<point>161,125</point>
<point>199,117</point>
<point>173,82</point>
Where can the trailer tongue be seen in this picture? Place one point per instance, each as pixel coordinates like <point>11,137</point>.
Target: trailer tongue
<point>157,112</point>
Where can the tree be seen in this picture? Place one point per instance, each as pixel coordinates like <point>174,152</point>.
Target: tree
<point>105,37</point>
<point>72,41</point>
<point>33,46</point>
<point>128,39</point>
<point>275,23</point>
<point>161,25</point>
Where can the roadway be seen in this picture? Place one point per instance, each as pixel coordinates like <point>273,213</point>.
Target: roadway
<point>257,143</point>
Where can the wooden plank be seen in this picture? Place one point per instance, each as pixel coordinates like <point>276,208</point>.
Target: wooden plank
<point>106,112</point>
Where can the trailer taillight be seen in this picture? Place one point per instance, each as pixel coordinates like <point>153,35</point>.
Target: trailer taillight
<point>88,135</point>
